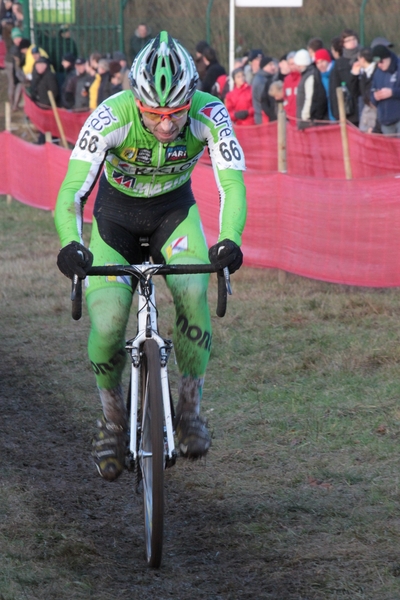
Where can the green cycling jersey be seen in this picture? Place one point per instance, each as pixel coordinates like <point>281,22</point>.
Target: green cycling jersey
<point>138,165</point>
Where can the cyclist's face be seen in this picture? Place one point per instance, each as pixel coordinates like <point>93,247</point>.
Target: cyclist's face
<point>164,127</point>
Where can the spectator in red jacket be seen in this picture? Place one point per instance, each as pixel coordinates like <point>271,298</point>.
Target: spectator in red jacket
<point>239,100</point>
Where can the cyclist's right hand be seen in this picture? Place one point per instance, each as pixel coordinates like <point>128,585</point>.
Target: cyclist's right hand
<point>74,259</point>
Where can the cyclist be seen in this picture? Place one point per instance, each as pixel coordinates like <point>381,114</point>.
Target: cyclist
<point>149,143</point>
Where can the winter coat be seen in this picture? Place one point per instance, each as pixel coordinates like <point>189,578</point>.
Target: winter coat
<point>389,109</point>
<point>239,100</point>
<point>341,73</point>
<point>213,71</point>
<point>290,85</point>
<point>312,103</point>
<point>41,84</point>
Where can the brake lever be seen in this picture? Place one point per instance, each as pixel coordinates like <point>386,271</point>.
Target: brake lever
<point>227,281</point>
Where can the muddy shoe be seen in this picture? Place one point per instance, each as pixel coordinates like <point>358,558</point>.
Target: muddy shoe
<point>192,433</point>
<point>109,449</point>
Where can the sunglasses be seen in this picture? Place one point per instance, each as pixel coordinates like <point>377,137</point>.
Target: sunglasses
<point>158,114</point>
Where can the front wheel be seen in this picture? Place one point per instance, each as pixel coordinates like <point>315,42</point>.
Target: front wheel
<point>151,452</point>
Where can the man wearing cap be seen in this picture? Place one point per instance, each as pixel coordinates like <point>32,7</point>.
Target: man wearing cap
<point>312,103</point>
<point>33,53</point>
<point>266,74</point>
<point>385,90</point>
<point>253,64</point>
<point>324,63</point>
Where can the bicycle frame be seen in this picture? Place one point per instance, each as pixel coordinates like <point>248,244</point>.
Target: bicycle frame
<point>148,328</point>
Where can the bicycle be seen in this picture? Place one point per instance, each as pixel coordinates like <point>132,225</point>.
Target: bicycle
<point>151,444</point>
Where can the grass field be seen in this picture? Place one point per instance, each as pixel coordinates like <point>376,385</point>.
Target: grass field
<point>299,497</point>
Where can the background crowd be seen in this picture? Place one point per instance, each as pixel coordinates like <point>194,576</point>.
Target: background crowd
<point>303,80</point>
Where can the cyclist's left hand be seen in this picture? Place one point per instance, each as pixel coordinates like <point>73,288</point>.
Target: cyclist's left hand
<point>226,254</point>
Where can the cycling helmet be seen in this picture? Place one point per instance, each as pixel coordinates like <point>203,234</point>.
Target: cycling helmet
<point>163,73</point>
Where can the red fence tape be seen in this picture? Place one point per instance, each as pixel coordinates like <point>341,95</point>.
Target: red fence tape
<point>333,230</point>
<point>45,121</point>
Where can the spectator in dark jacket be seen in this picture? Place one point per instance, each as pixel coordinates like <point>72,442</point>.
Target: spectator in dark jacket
<point>199,61</point>
<point>266,74</point>
<point>365,68</point>
<point>43,81</point>
<point>341,74</point>
<point>385,91</point>
<point>66,94</point>
<point>213,71</point>
<point>139,39</point>
<point>268,105</point>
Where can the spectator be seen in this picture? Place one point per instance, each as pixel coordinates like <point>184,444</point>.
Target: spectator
<point>201,66</point>
<point>313,45</point>
<point>365,68</point>
<point>324,63</point>
<point>43,81</point>
<point>19,61</point>
<point>290,85</point>
<point>341,76</point>
<point>92,67</point>
<point>284,67</point>
<point>33,53</point>
<point>18,11</point>
<point>64,45</point>
<point>239,101</point>
<point>9,63</point>
<point>213,69</point>
<point>276,92</point>
<point>268,104</point>
<point>139,39</point>
<point>336,47</point>
<point>123,61</point>
<point>381,41</point>
<point>253,64</point>
<point>67,96</point>
<point>116,78</point>
<point>261,82</point>
<point>104,90</point>
<point>78,86</point>
<point>312,104</point>
<point>385,91</point>
<point>7,22</point>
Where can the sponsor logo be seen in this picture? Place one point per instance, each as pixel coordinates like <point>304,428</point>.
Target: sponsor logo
<point>125,180</point>
<point>194,333</point>
<point>129,153</point>
<point>176,153</point>
<point>144,155</point>
<point>102,118</point>
<point>178,245</point>
<point>217,113</point>
<point>137,154</point>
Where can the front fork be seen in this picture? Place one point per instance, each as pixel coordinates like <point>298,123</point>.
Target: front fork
<point>165,347</point>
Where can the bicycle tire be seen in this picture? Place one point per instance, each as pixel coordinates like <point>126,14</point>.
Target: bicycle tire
<point>152,457</point>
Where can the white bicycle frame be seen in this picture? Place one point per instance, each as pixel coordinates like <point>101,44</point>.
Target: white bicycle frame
<point>148,329</point>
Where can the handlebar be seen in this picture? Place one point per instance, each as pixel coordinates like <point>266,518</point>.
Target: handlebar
<point>146,270</point>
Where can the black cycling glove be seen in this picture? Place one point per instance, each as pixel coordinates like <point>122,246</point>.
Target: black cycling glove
<point>74,259</point>
<point>226,254</point>
<point>241,114</point>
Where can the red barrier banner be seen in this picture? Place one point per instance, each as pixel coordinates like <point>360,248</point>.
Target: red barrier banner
<point>329,229</point>
<point>3,52</point>
<point>44,120</point>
